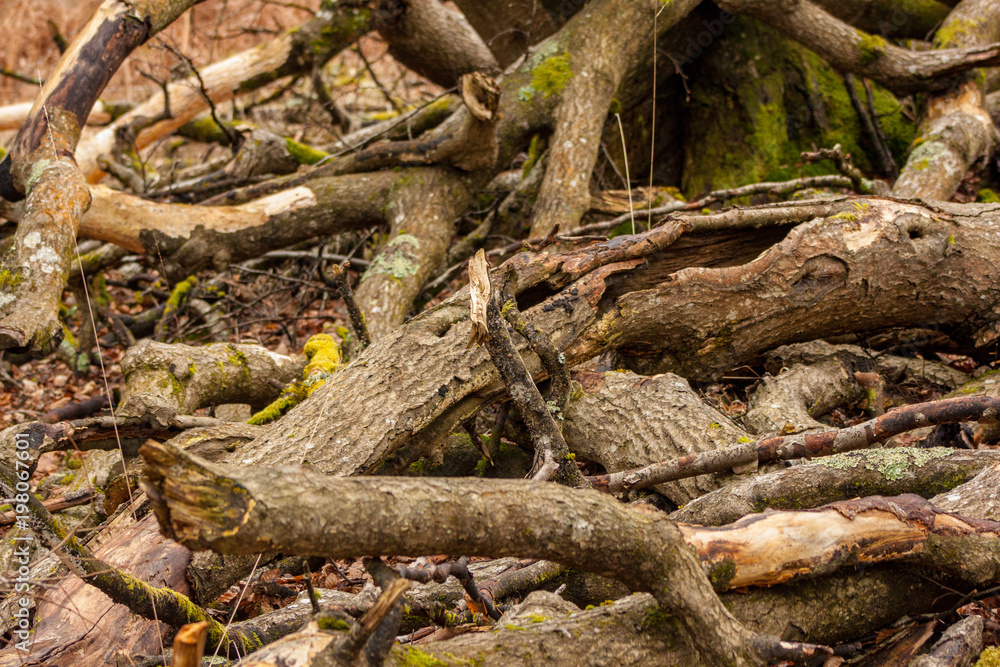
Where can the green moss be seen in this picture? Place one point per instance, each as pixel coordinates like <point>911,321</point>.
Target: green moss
<point>849,217</point>
<point>304,154</point>
<point>744,440</point>
<point>871,48</point>
<point>721,573</point>
<point>203,128</point>
<point>9,279</point>
<point>655,618</point>
<point>955,33</point>
<point>985,196</point>
<point>537,618</point>
<point>552,75</point>
<point>178,295</point>
<point>332,623</point>
<point>324,357</point>
<point>276,409</point>
<point>535,148</point>
<point>416,658</point>
<point>989,658</point>
<point>758,100</point>
<point>36,171</point>
<point>100,295</point>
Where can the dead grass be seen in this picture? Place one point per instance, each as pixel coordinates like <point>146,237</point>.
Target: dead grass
<point>206,33</point>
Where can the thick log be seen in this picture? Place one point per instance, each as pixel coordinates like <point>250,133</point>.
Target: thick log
<point>432,40</point>
<point>207,506</point>
<point>701,321</point>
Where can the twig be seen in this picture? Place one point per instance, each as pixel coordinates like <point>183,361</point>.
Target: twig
<point>378,84</point>
<point>775,188</point>
<point>868,122</point>
<point>233,137</point>
<point>308,254</point>
<point>54,504</point>
<point>337,115</point>
<point>552,457</point>
<point>805,445</point>
<point>339,283</point>
<point>889,166</point>
<point>553,361</point>
<point>24,78</point>
<point>310,591</point>
<point>843,163</point>
<point>460,570</point>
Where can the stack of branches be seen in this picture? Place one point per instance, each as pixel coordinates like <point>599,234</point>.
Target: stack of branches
<point>637,482</point>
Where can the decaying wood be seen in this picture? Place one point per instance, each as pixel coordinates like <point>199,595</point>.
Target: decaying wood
<point>786,447</point>
<point>698,295</point>
<point>163,381</point>
<point>744,310</point>
<point>884,472</point>
<point>334,27</point>
<point>850,50</point>
<point>775,547</point>
<point>457,516</point>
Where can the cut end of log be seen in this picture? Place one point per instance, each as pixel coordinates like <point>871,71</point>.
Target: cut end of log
<point>13,340</point>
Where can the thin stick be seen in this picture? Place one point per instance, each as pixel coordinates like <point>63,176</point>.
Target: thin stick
<point>628,180</point>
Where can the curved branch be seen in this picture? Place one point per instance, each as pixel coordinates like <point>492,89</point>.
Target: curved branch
<point>850,50</point>
<point>228,510</point>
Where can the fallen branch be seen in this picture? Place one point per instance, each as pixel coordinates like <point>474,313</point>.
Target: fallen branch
<point>552,456</point>
<point>806,445</point>
<point>258,510</point>
<point>775,547</point>
<point>850,50</point>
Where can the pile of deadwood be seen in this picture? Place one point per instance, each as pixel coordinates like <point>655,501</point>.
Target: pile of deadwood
<point>628,519</point>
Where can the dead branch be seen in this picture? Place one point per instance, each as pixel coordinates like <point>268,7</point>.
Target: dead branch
<point>884,472</point>
<point>775,547</point>
<point>851,50</point>
<point>613,537</point>
<point>552,457</point>
<point>335,27</point>
<point>431,40</point>
<point>163,381</point>
<point>802,445</point>
<point>935,251</point>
